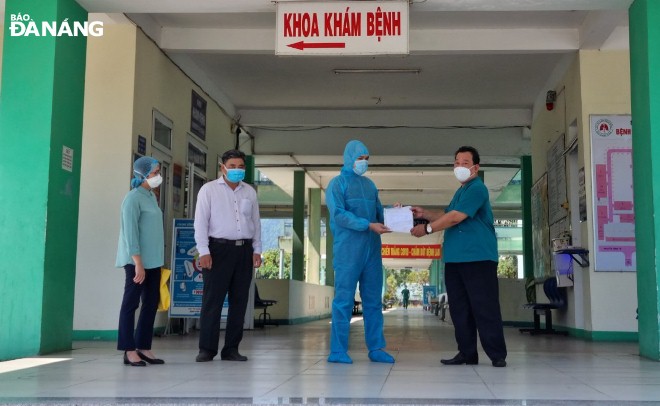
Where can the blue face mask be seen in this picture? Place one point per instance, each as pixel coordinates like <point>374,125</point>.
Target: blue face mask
<point>361,166</point>
<point>235,175</point>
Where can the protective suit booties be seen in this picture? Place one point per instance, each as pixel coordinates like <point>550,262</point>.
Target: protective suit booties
<point>353,203</point>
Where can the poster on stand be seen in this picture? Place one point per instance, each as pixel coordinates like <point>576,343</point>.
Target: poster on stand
<point>429,293</point>
<point>186,284</point>
<point>612,193</point>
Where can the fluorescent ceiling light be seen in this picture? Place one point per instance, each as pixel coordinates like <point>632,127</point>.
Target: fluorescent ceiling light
<point>342,71</point>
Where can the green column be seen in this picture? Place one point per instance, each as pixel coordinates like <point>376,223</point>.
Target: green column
<point>41,107</point>
<point>314,237</point>
<point>249,169</point>
<point>435,274</point>
<point>645,84</point>
<point>329,252</point>
<point>298,257</point>
<point>526,192</point>
<point>528,245</point>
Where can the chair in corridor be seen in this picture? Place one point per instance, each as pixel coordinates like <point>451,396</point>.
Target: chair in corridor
<point>259,303</point>
<point>557,300</point>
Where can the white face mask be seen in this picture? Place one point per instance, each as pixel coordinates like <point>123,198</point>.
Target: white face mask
<point>155,181</point>
<point>462,173</point>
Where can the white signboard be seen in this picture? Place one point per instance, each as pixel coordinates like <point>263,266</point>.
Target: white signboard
<point>342,28</point>
<point>67,158</point>
<point>612,191</point>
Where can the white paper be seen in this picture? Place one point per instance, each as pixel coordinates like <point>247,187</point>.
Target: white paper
<point>399,219</point>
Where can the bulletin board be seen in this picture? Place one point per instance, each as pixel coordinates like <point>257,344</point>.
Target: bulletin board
<point>541,229</point>
<point>556,184</point>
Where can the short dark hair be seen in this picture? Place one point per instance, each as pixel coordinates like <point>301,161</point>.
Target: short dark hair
<point>232,153</point>
<point>472,150</point>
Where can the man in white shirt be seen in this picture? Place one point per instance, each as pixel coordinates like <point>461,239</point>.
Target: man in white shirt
<point>228,237</point>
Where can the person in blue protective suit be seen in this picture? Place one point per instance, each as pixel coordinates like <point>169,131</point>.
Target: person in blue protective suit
<point>356,221</point>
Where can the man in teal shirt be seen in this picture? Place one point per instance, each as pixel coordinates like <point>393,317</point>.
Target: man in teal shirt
<point>470,256</point>
<point>406,296</point>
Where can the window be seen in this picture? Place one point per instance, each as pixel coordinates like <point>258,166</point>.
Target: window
<point>162,131</point>
<point>197,157</point>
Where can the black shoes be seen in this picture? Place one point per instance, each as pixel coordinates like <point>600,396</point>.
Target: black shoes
<point>499,363</point>
<point>229,356</point>
<point>204,357</point>
<point>233,356</point>
<point>133,364</point>
<point>461,359</point>
<point>154,361</point>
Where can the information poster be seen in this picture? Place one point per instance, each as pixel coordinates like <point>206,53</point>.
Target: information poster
<point>186,284</point>
<point>556,184</point>
<point>429,293</point>
<point>540,229</point>
<point>612,192</point>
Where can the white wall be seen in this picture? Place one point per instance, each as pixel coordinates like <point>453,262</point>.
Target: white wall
<point>512,299</point>
<point>296,301</point>
<point>127,77</point>
<point>605,79</point>
<point>105,175</point>
<point>597,82</point>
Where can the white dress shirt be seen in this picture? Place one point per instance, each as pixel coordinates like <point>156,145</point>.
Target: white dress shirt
<point>225,213</point>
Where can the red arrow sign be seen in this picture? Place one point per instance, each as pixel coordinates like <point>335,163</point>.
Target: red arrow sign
<point>301,45</point>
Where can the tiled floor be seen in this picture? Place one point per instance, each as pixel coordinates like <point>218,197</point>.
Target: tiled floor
<point>288,366</point>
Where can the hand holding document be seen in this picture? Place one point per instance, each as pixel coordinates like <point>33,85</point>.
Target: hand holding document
<point>399,219</point>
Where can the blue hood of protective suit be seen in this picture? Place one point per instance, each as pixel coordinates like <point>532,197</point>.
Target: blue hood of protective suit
<point>353,150</point>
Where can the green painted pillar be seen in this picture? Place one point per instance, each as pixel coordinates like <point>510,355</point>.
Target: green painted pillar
<point>41,110</point>
<point>329,252</point>
<point>249,169</point>
<point>528,245</point>
<point>436,275</point>
<point>526,192</point>
<point>314,235</point>
<point>645,84</point>
<point>298,257</point>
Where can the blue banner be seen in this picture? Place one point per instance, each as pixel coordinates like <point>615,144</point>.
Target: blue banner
<point>429,292</point>
<point>186,284</point>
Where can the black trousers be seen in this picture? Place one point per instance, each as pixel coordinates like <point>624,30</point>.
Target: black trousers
<point>231,273</point>
<point>474,305</point>
<point>131,338</point>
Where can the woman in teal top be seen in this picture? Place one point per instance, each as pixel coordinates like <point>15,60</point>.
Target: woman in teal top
<point>141,253</point>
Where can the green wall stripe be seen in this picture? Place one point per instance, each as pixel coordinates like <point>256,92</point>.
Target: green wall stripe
<point>105,335</point>
<point>95,335</point>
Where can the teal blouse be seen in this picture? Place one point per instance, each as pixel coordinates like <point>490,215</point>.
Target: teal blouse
<point>141,230</point>
<point>473,239</point>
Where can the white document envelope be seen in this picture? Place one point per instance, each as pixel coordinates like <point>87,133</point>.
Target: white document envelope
<point>399,219</point>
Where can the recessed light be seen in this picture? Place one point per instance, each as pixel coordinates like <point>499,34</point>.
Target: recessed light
<point>343,71</point>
